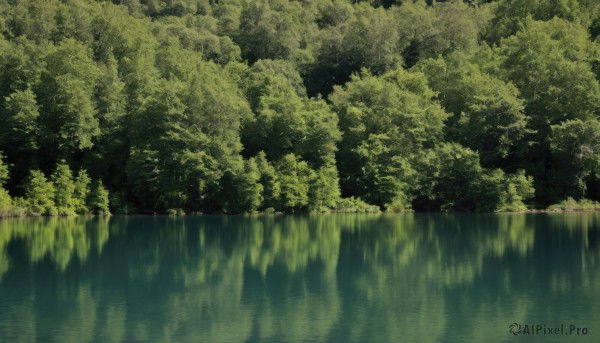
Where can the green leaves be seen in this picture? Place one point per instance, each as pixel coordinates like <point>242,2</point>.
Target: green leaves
<point>69,116</point>
<point>385,121</point>
<point>98,199</point>
<point>271,186</point>
<point>242,106</point>
<point>81,191</point>
<point>63,194</point>
<point>21,125</point>
<point>40,194</point>
<point>575,145</point>
<point>450,178</point>
<point>488,113</point>
<point>4,175</point>
<point>266,34</point>
<point>500,192</point>
<point>283,122</point>
<point>246,190</point>
<point>294,177</point>
<point>64,187</point>
<point>547,61</point>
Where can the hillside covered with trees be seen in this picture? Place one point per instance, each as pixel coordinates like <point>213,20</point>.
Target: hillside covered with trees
<point>311,105</point>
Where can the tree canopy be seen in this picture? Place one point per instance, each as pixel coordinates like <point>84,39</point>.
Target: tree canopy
<point>274,105</point>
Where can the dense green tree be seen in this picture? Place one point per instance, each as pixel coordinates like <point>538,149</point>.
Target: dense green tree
<point>283,122</point>
<point>184,136</point>
<point>98,199</point>
<point>6,205</point>
<point>294,177</point>
<point>324,190</point>
<point>277,125</point>
<point>4,173</point>
<point>64,189</point>
<point>5,200</point>
<point>198,35</point>
<point>392,117</point>
<point>81,192</point>
<point>450,178</point>
<point>447,178</point>
<point>279,67</point>
<point>69,121</point>
<point>237,106</point>
<point>367,39</point>
<point>20,126</point>
<point>488,115</point>
<point>245,193</point>
<point>384,176</point>
<point>34,19</point>
<point>549,63</point>
<point>575,147</point>
<point>271,187</point>
<point>510,15</point>
<point>133,46</point>
<point>266,33</point>
<point>334,13</point>
<point>497,191</point>
<point>21,65</point>
<point>40,194</point>
<point>111,105</point>
<point>429,31</point>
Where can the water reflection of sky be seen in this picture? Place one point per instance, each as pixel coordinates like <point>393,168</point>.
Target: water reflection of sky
<point>355,278</point>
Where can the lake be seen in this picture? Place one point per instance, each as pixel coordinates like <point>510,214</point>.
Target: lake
<point>302,278</point>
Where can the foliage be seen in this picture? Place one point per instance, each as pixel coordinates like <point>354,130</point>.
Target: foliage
<point>242,106</point>
<point>245,193</point>
<point>64,189</point>
<point>324,190</point>
<point>4,173</point>
<point>353,204</point>
<point>385,121</point>
<point>98,199</point>
<point>500,192</point>
<point>6,207</point>
<point>40,195</point>
<point>294,177</point>
<point>488,115</point>
<point>81,191</point>
<point>5,200</point>
<point>575,145</point>
<point>451,179</point>
<point>269,180</point>
<point>571,204</point>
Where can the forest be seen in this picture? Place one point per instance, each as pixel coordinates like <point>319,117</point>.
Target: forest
<point>239,106</point>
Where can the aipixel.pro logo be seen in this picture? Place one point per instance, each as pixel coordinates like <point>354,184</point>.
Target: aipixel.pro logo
<point>540,329</point>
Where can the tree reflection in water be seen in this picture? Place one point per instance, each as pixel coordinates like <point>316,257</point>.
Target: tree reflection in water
<point>351,277</point>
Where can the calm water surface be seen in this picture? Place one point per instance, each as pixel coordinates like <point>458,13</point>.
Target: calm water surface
<point>314,278</point>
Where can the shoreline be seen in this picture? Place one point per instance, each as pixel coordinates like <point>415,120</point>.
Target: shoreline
<point>165,214</point>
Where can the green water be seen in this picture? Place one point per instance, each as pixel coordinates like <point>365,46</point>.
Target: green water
<point>322,278</point>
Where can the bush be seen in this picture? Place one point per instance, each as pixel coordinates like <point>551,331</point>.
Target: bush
<point>353,205</point>
<point>64,189</point>
<point>98,199</point>
<point>120,205</point>
<point>176,212</point>
<point>19,207</point>
<point>571,204</point>
<point>40,195</point>
<point>398,204</point>
<point>5,203</point>
<point>501,192</point>
<point>81,192</point>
